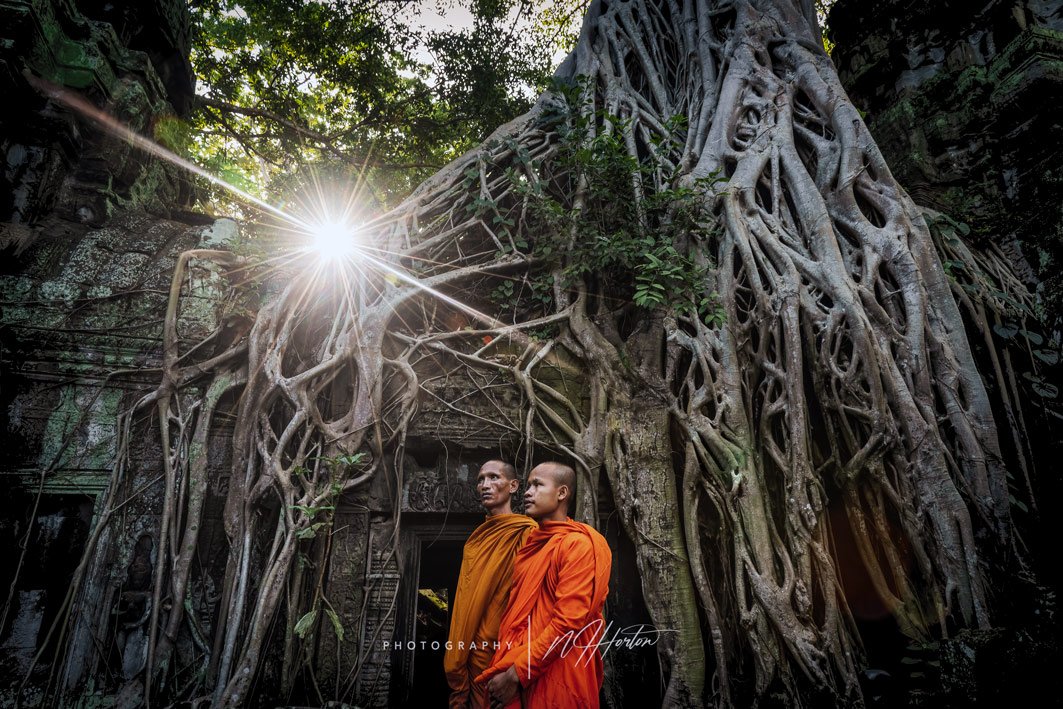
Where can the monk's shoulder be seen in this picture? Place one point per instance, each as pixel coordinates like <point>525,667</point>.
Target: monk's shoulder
<point>595,534</point>
<point>522,527</point>
<point>585,543</point>
<point>589,533</point>
<point>576,542</point>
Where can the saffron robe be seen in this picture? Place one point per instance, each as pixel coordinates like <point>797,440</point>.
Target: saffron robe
<point>479,601</point>
<point>553,622</point>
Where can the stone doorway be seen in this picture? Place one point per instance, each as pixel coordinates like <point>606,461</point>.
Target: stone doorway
<point>57,532</point>
<point>426,591</point>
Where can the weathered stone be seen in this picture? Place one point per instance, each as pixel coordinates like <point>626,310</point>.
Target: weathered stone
<point>964,101</point>
<point>87,260</point>
<point>57,160</point>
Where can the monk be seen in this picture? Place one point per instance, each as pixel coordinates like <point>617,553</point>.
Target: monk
<point>548,654</point>
<point>483,584</point>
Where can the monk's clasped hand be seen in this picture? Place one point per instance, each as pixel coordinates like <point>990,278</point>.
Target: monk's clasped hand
<point>503,688</point>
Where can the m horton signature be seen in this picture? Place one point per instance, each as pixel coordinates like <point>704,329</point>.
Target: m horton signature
<point>586,640</point>
<point>583,640</point>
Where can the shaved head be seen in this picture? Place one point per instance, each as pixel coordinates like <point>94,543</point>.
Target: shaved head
<point>562,474</point>
<point>551,489</point>
<point>503,467</point>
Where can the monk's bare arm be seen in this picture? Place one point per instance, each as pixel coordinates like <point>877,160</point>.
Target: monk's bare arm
<point>567,629</point>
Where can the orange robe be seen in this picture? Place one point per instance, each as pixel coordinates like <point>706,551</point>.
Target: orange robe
<point>479,601</point>
<point>554,618</point>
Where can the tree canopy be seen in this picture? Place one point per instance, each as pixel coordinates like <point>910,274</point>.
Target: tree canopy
<point>387,92</point>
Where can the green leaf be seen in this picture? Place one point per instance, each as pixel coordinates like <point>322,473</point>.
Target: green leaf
<point>305,624</point>
<point>1007,331</point>
<point>311,511</point>
<point>309,532</point>
<point>351,460</point>
<point>1012,302</point>
<point>1047,356</point>
<point>951,264</point>
<point>337,626</point>
<point>1044,389</point>
<point>1033,337</point>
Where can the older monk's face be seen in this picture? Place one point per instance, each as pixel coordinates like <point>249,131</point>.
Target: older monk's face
<point>494,487</point>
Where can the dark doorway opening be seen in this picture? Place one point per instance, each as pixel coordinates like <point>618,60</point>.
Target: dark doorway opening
<point>429,578</point>
<point>57,532</point>
<point>440,564</point>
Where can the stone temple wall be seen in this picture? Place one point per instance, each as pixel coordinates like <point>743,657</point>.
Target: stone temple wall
<point>90,230</point>
<point>965,98</point>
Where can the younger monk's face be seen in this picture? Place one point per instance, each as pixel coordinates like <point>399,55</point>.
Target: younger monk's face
<point>544,496</point>
<point>494,487</point>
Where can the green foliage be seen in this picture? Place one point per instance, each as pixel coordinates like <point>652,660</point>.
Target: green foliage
<point>560,22</point>
<point>304,627</point>
<point>337,626</point>
<point>312,511</point>
<point>320,518</point>
<point>306,623</point>
<point>291,90</point>
<point>349,461</point>
<point>822,13</point>
<point>336,468</point>
<point>633,231</point>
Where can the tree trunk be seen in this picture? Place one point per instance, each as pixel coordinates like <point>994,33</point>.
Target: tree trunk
<point>640,463</point>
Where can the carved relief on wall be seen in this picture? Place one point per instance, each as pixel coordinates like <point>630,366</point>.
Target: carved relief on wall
<point>427,491</point>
